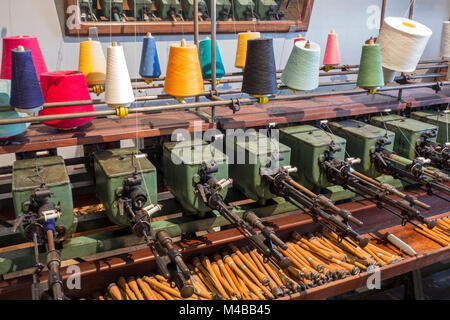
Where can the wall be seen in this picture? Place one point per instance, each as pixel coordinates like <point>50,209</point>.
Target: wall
<point>350,19</point>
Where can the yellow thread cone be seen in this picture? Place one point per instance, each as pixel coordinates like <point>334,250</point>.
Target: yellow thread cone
<point>92,62</point>
<point>184,76</point>
<point>241,51</point>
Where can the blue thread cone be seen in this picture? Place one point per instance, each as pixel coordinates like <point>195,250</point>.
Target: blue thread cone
<point>150,67</point>
<point>204,53</point>
<point>9,130</point>
<point>26,94</point>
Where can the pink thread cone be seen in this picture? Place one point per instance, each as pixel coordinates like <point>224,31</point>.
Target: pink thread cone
<point>331,56</point>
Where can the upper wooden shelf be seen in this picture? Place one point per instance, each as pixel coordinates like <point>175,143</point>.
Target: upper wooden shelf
<point>296,19</point>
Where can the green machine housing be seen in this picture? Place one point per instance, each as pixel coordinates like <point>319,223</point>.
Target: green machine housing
<point>86,8</point>
<point>140,8</point>
<point>112,7</point>
<point>111,168</point>
<point>361,141</point>
<point>223,9</point>
<point>308,145</point>
<point>167,8</point>
<point>183,163</point>
<point>437,118</point>
<point>256,158</point>
<point>267,9</point>
<point>407,132</point>
<point>243,10</point>
<point>29,174</point>
<point>188,9</point>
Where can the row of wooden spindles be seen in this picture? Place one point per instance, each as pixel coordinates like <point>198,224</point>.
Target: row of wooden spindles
<point>243,273</point>
<point>439,234</point>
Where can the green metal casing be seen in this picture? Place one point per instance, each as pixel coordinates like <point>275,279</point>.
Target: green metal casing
<point>137,7</point>
<point>108,7</point>
<point>223,8</point>
<point>164,6</point>
<point>307,145</point>
<point>182,163</point>
<point>188,8</point>
<point>255,153</point>
<point>263,6</point>
<point>111,168</point>
<point>53,172</point>
<point>437,118</point>
<point>240,7</point>
<point>361,140</point>
<point>407,132</point>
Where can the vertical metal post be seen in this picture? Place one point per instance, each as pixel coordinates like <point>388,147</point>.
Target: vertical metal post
<point>196,22</point>
<point>411,9</point>
<point>383,10</point>
<point>197,99</point>
<point>213,55</point>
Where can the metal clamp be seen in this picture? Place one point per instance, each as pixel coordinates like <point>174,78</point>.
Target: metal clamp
<point>235,105</point>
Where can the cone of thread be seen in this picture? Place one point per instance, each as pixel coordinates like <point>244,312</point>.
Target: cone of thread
<point>260,71</point>
<point>241,51</point>
<point>60,86</point>
<point>28,42</point>
<point>204,52</point>
<point>184,75</point>
<point>149,67</point>
<point>445,40</point>
<point>9,130</point>
<point>26,94</point>
<point>370,75</point>
<point>302,69</point>
<point>299,38</point>
<point>402,42</point>
<point>92,62</point>
<point>118,89</point>
<point>331,56</point>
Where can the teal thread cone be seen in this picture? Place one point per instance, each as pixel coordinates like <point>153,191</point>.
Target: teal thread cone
<point>370,75</point>
<point>302,69</point>
<point>204,53</point>
<point>9,130</point>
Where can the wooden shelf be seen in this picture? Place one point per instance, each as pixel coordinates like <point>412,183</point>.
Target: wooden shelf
<point>183,27</point>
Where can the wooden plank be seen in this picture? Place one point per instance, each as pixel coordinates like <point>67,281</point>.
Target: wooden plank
<point>282,112</point>
<point>100,130</point>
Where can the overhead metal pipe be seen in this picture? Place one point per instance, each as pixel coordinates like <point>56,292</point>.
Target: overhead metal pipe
<point>219,103</point>
<point>342,67</point>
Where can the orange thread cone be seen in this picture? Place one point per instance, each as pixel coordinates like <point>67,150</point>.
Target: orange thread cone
<point>331,56</point>
<point>184,75</point>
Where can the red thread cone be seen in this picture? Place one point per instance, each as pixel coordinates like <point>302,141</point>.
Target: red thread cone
<point>27,42</point>
<point>60,86</point>
<point>299,38</point>
<point>331,56</point>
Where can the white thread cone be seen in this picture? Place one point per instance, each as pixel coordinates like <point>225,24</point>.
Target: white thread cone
<point>388,75</point>
<point>118,89</point>
<point>445,40</point>
<point>402,42</point>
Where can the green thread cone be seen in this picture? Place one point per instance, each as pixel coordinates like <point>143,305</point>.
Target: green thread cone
<point>204,53</point>
<point>302,69</point>
<point>370,75</point>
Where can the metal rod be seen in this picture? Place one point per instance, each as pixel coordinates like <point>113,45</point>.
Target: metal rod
<point>213,55</point>
<point>411,9</point>
<point>345,67</point>
<point>383,10</point>
<point>196,22</point>
<point>228,102</point>
<point>196,33</point>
